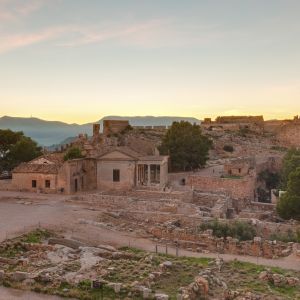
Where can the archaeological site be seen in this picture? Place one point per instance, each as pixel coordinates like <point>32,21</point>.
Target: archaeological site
<point>125,214</point>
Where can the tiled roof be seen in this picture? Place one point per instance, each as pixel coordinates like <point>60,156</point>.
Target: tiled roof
<point>40,165</point>
<point>37,168</point>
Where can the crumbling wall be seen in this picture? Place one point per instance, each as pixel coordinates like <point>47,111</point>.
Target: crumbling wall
<point>237,188</point>
<point>206,242</point>
<point>289,135</point>
<point>114,126</point>
<point>6,185</point>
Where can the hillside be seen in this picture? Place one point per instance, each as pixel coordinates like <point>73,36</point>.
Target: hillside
<point>47,133</point>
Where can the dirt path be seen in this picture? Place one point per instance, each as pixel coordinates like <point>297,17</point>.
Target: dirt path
<point>12,294</point>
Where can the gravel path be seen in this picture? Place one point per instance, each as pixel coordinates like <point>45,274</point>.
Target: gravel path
<point>12,294</point>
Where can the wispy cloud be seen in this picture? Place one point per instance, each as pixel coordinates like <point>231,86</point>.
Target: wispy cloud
<point>13,10</point>
<point>14,41</point>
<point>75,36</point>
<point>94,35</point>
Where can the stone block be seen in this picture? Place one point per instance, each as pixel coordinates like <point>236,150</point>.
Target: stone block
<point>20,276</point>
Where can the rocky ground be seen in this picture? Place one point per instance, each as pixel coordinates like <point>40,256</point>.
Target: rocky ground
<point>46,262</point>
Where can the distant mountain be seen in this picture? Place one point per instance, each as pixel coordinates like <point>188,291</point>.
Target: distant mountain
<point>44,132</point>
<point>48,133</point>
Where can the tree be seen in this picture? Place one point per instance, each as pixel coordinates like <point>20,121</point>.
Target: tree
<point>271,179</point>
<point>73,153</point>
<point>289,204</point>
<point>187,147</point>
<point>8,139</point>
<point>291,162</point>
<point>16,148</point>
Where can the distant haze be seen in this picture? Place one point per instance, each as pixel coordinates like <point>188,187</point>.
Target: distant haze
<point>47,133</point>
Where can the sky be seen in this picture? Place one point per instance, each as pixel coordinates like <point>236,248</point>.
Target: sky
<point>80,60</point>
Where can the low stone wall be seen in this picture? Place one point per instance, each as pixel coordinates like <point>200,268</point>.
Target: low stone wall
<point>260,206</point>
<point>237,188</point>
<point>206,242</point>
<point>6,185</point>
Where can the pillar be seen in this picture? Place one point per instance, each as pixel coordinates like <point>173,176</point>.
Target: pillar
<point>149,175</point>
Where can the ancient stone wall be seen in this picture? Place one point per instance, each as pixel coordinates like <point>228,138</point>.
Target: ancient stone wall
<point>237,188</point>
<point>240,119</point>
<point>114,126</point>
<point>6,185</point>
<point>289,135</point>
<point>206,242</point>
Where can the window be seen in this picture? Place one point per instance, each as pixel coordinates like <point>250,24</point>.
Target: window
<point>47,184</point>
<point>33,183</point>
<point>116,175</point>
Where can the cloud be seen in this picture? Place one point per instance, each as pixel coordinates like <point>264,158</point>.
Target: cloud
<point>92,35</point>
<point>14,10</point>
<point>11,42</point>
<point>74,35</point>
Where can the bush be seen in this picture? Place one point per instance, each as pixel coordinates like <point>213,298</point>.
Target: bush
<point>290,236</point>
<point>271,179</point>
<point>73,153</point>
<point>228,148</point>
<point>288,206</point>
<point>238,229</point>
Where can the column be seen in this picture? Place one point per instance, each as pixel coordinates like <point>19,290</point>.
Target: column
<point>149,175</point>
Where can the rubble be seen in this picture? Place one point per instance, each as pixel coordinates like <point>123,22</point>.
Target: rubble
<point>279,279</point>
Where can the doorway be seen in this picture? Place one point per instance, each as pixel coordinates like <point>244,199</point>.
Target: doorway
<point>76,185</point>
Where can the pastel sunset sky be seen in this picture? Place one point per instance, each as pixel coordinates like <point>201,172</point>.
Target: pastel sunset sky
<point>79,60</point>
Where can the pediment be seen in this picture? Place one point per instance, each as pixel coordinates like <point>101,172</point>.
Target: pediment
<point>117,155</point>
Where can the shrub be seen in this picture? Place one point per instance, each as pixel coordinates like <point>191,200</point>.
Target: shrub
<point>73,153</point>
<point>238,229</point>
<point>290,236</point>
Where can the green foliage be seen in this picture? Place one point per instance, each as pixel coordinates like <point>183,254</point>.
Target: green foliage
<point>291,162</point>
<point>16,148</point>
<point>263,195</point>
<point>290,236</point>
<point>85,284</point>
<point>289,204</point>
<point>238,229</point>
<point>228,148</point>
<point>271,179</point>
<point>73,153</point>
<point>187,146</point>
<point>36,236</point>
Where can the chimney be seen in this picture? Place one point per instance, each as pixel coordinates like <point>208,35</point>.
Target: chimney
<point>96,129</point>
